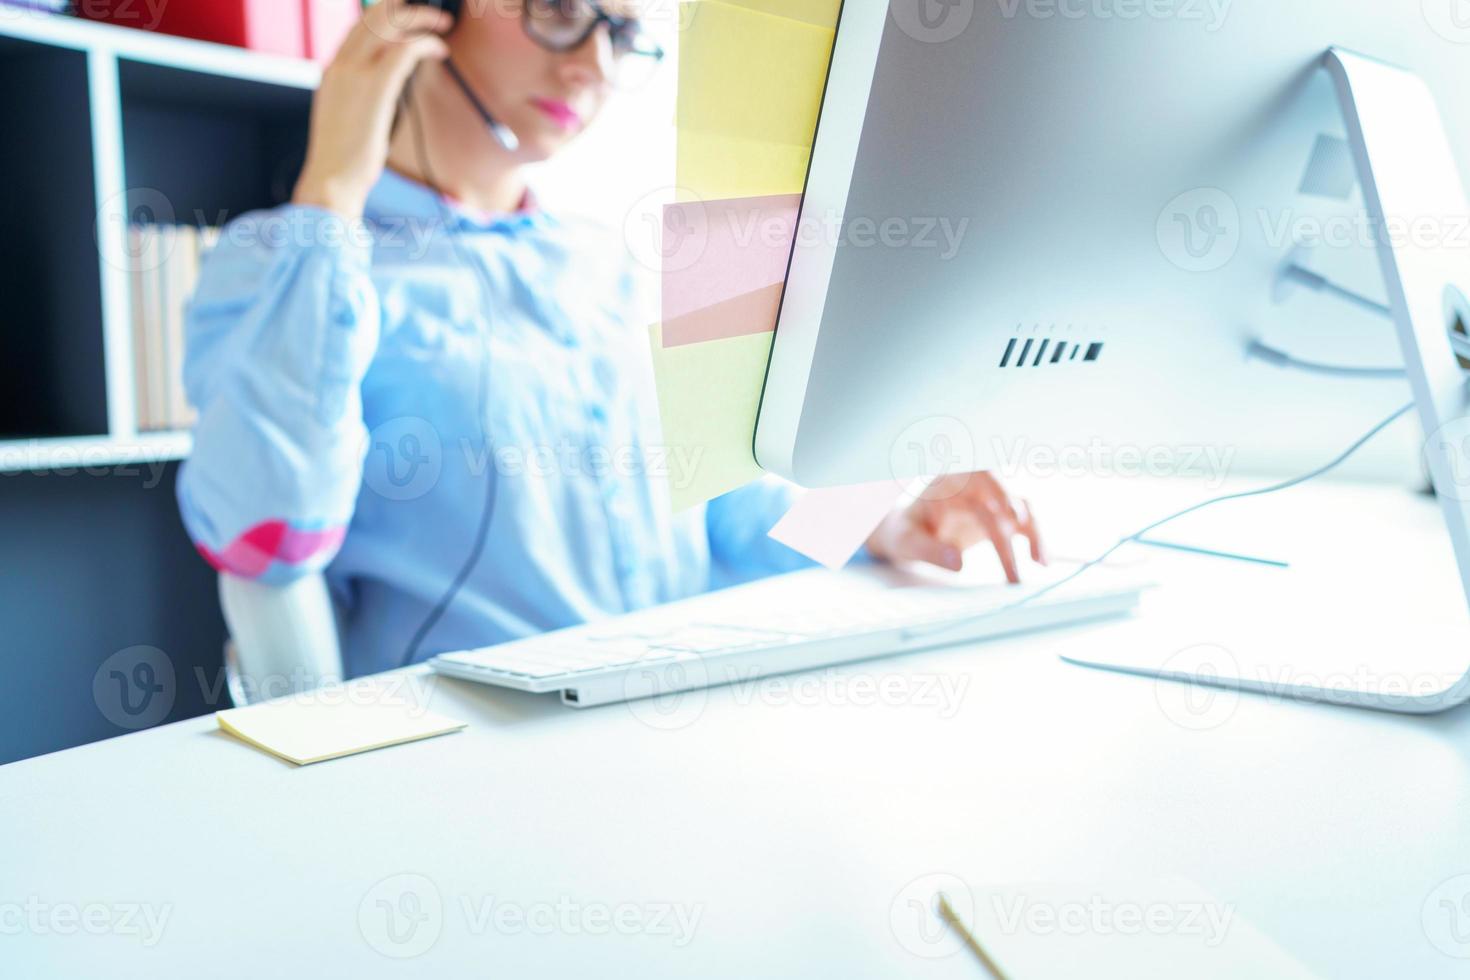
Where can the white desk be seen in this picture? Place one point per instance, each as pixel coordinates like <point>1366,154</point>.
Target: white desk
<point>791,828</point>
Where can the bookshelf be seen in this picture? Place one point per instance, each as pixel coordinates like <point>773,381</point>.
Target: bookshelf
<point>94,140</point>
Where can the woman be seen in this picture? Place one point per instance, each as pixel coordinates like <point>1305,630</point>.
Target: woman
<point>378,364</point>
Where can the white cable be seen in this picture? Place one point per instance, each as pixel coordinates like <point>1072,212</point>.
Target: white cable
<point>1262,491</point>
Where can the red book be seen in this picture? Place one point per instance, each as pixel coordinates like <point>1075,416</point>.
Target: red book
<point>328,22</point>
<point>271,26</point>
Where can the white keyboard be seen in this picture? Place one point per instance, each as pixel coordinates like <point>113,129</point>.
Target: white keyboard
<point>792,622</point>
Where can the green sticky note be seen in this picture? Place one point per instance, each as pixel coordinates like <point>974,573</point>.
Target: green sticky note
<point>709,396</point>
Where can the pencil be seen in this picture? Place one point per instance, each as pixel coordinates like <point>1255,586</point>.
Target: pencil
<point>947,913</point>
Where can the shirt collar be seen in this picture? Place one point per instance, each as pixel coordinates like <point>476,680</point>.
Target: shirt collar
<point>397,196</point>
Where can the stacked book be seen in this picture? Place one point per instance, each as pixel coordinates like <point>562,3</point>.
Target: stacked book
<point>164,268</point>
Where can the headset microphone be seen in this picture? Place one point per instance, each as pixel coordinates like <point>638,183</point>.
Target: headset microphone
<point>501,132</point>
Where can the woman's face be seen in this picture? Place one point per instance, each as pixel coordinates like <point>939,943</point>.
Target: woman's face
<point>546,97</point>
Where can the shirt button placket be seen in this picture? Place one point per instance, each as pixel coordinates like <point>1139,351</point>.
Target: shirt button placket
<point>614,496</point>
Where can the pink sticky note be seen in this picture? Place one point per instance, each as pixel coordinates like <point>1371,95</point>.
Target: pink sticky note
<point>739,317</point>
<point>714,251</point>
<point>829,526</point>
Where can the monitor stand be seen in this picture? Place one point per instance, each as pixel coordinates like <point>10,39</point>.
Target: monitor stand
<point>1408,171</point>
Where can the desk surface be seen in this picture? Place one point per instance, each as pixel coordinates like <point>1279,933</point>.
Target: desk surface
<point>768,830</point>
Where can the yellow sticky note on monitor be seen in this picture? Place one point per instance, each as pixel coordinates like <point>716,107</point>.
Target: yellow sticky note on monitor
<point>709,397</point>
<point>750,75</point>
<point>333,722</point>
<point>822,13</point>
<point>712,167</point>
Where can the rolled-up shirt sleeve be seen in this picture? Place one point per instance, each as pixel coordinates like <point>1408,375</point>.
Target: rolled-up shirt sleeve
<point>280,333</point>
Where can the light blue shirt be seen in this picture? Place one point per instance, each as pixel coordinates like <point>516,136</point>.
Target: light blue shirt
<point>337,371</point>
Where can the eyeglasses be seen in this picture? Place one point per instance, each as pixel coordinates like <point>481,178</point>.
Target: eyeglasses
<point>566,25</point>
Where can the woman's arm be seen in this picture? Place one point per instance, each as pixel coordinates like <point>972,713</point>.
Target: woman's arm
<point>280,334</point>
<point>285,323</point>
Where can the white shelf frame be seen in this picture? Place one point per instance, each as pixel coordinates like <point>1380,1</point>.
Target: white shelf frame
<point>105,46</point>
<point>93,452</point>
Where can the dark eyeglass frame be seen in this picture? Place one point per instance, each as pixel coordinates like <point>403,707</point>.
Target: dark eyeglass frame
<point>623,32</point>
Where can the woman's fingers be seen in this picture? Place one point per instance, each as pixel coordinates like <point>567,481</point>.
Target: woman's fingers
<point>961,510</point>
<point>1026,523</point>
<point>388,24</point>
<point>916,543</point>
<point>1002,535</point>
<point>353,108</point>
<point>401,59</point>
<point>1010,518</point>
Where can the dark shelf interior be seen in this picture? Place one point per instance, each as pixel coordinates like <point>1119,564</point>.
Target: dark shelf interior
<point>245,143</point>
<point>52,373</point>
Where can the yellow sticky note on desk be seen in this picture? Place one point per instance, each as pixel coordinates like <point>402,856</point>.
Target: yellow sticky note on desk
<point>750,75</point>
<point>709,397</point>
<point>333,722</point>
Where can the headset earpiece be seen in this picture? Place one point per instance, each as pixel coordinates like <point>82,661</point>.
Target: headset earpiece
<point>451,7</point>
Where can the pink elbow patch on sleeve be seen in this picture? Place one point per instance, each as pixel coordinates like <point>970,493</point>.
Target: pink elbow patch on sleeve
<point>253,553</point>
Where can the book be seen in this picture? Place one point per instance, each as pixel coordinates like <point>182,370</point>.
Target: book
<point>138,241</point>
<point>166,262</point>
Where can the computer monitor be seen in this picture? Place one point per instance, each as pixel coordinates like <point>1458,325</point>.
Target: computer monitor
<point>1067,223</point>
<point>1151,206</point>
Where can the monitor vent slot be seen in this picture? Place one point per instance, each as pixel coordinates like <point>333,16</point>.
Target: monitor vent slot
<point>1033,352</point>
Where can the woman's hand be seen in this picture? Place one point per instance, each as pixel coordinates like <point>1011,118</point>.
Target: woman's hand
<point>955,513</point>
<point>352,113</point>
